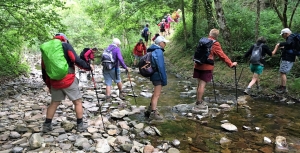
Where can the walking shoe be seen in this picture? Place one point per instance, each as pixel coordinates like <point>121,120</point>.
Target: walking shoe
<point>154,115</point>
<point>47,127</point>
<point>122,95</point>
<point>200,105</point>
<point>81,127</point>
<point>247,91</point>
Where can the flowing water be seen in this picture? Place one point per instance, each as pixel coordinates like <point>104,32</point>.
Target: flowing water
<point>271,117</point>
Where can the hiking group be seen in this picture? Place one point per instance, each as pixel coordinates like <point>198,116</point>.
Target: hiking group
<point>59,60</point>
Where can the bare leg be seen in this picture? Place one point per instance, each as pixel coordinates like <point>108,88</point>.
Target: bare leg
<point>254,79</point>
<point>155,96</point>
<point>200,90</point>
<point>119,86</point>
<point>107,90</point>
<point>283,79</point>
<point>52,109</point>
<point>78,108</point>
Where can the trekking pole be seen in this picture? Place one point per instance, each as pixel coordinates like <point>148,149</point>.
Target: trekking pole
<point>237,106</point>
<point>240,75</point>
<point>100,106</point>
<point>214,88</point>
<point>131,87</point>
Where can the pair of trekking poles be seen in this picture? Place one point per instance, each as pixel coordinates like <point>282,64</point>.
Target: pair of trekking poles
<point>100,105</point>
<point>236,85</point>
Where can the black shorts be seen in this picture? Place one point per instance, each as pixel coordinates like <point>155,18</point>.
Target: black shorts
<point>162,30</point>
<point>146,38</point>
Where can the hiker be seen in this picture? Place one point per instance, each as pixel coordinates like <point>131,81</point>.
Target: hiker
<point>68,86</point>
<point>176,16</point>
<point>114,73</point>
<point>204,72</point>
<point>155,36</point>
<point>88,56</point>
<point>146,34</point>
<point>159,78</point>
<point>138,51</point>
<point>162,27</point>
<point>257,62</point>
<point>287,58</point>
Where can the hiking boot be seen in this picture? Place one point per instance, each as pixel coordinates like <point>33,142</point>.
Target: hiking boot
<point>247,91</point>
<point>282,90</point>
<point>122,95</point>
<point>148,112</point>
<point>200,105</point>
<point>259,89</point>
<point>47,127</point>
<point>108,99</point>
<point>81,127</point>
<point>154,115</point>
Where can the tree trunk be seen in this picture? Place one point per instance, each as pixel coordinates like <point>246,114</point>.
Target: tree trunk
<point>293,13</point>
<point>225,31</point>
<point>183,22</point>
<point>257,19</point>
<point>195,11</point>
<point>209,14</point>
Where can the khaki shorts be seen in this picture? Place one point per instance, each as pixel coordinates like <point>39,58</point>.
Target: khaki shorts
<point>72,92</point>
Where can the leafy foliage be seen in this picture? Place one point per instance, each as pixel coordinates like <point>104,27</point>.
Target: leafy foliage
<point>25,21</point>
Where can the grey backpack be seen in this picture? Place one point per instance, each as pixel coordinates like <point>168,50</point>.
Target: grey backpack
<point>256,55</point>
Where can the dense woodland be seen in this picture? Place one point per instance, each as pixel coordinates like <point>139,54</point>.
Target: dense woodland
<point>25,24</point>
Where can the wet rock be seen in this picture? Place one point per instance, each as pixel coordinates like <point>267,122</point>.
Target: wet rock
<point>176,142</point>
<point>267,140</point>
<point>266,149</point>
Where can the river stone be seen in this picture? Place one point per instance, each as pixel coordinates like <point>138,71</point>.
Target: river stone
<point>102,146</point>
<point>14,135</point>
<point>68,126</point>
<point>17,150</point>
<point>148,130</point>
<point>126,147</point>
<point>146,94</point>
<point>229,127</point>
<point>36,141</point>
<point>173,150</point>
<point>176,142</point>
<point>148,149</point>
<point>118,114</point>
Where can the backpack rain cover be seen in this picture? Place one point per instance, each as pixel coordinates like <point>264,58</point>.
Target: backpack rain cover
<point>54,59</point>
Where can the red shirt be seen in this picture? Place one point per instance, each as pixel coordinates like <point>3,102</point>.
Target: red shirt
<point>216,50</point>
<point>139,49</point>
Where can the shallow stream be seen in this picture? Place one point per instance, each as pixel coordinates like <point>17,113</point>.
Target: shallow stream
<point>271,117</point>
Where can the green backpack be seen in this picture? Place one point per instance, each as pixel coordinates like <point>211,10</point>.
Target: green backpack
<point>54,59</point>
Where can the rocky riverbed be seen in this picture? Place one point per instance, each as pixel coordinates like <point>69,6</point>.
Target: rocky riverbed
<point>120,126</point>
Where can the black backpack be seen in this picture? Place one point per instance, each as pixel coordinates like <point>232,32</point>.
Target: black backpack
<point>203,50</point>
<point>83,52</point>
<point>166,19</point>
<point>143,33</point>
<point>256,55</point>
<point>162,25</point>
<point>145,67</point>
<point>296,44</point>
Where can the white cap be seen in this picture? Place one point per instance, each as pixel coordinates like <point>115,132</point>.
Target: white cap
<point>160,39</point>
<point>116,41</point>
<point>285,30</point>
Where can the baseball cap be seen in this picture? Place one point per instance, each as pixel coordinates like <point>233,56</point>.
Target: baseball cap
<point>285,30</point>
<point>116,41</point>
<point>61,34</point>
<point>160,39</point>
